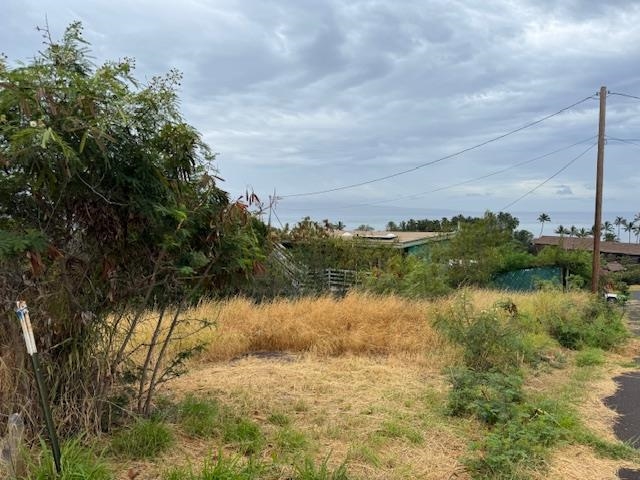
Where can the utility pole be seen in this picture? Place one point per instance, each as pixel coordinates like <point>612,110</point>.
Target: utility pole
<point>595,271</point>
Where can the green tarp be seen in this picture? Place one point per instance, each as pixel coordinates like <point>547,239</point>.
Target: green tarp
<point>528,278</point>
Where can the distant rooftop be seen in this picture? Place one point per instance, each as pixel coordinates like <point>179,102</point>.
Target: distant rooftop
<point>615,248</point>
<point>397,239</point>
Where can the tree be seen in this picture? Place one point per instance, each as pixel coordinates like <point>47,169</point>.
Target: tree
<point>561,230</point>
<point>478,250</point>
<point>365,228</point>
<point>573,231</point>
<point>582,233</point>
<point>618,222</point>
<point>629,227</point>
<point>607,227</point>
<point>543,218</point>
<point>108,208</point>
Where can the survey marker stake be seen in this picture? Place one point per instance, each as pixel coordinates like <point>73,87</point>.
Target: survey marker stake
<point>27,332</point>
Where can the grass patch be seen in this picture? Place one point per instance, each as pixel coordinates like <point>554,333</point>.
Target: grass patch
<point>590,357</point>
<point>221,468</point>
<point>280,419</point>
<point>289,440</point>
<point>395,429</point>
<point>199,418</point>
<point>78,463</point>
<point>243,434</point>
<point>308,470</point>
<point>142,440</point>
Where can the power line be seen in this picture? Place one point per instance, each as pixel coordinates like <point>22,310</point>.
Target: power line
<point>624,95</point>
<point>564,167</point>
<point>465,182</point>
<point>446,157</point>
<point>628,141</point>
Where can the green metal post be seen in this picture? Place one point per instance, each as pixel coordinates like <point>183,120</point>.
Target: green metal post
<point>23,315</point>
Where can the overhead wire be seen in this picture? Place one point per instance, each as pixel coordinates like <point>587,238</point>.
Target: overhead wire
<point>564,167</point>
<point>441,159</point>
<point>471,180</point>
<point>624,95</point>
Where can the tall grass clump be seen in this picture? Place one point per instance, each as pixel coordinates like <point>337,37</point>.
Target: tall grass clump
<point>308,470</point>
<point>358,323</point>
<point>220,468</point>
<point>77,461</point>
<point>198,417</point>
<point>146,438</point>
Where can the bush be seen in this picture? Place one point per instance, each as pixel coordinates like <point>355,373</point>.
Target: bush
<point>492,397</point>
<point>522,442</point>
<point>598,325</point>
<point>489,340</point>
<point>77,462</point>
<point>144,439</point>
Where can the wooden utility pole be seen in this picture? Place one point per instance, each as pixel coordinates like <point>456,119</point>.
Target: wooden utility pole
<point>595,271</point>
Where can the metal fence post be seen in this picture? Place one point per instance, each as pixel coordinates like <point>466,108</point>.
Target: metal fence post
<point>25,322</point>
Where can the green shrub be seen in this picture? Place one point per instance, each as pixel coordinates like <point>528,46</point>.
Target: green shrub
<point>492,397</point>
<point>144,439</point>
<point>78,463</point>
<point>489,340</point>
<point>309,471</point>
<point>222,468</point>
<point>199,418</point>
<point>598,325</point>
<point>523,442</point>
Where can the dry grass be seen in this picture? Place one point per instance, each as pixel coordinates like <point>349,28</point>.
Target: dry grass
<point>344,406</point>
<point>359,323</point>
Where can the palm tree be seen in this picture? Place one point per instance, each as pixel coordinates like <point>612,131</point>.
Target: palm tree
<point>607,227</point>
<point>542,218</point>
<point>609,237</point>
<point>618,222</point>
<point>561,230</point>
<point>629,227</point>
<point>583,233</point>
<point>573,231</point>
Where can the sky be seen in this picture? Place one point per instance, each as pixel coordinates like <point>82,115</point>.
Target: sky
<point>301,96</point>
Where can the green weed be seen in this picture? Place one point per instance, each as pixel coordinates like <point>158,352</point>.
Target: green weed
<point>395,429</point>
<point>280,419</point>
<point>144,439</point>
<point>590,357</point>
<point>78,463</point>
<point>199,418</point>
<point>289,440</point>
<point>222,468</point>
<point>309,471</point>
<point>242,433</point>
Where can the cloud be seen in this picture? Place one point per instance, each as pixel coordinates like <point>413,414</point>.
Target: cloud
<point>564,190</point>
<point>303,95</point>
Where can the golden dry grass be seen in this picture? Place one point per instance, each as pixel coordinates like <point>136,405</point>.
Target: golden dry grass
<point>359,323</point>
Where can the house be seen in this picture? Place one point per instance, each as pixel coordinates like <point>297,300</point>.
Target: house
<point>611,250</point>
<point>408,242</point>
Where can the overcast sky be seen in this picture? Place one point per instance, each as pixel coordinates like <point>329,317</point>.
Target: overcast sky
<point>300,95</point>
